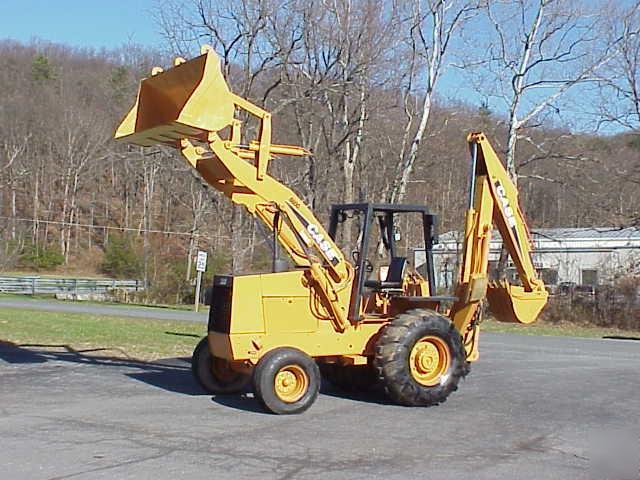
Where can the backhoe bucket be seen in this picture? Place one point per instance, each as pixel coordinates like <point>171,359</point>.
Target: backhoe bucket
<point>511,303</point>
<point>187,101</point>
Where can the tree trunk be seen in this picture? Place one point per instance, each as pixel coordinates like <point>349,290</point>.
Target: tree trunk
<point>14,212</point>
<point>236,235</point>
<point>399,189</point>
<point>65,207</point>
<point>36,201</point>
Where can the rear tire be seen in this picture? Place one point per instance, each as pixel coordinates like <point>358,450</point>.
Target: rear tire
<point>420,358</point>
<point>286,381</point>
<point>214,374</point>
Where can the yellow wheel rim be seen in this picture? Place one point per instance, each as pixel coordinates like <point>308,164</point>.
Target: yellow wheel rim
<point>291,383</point>
<point>429,360</point>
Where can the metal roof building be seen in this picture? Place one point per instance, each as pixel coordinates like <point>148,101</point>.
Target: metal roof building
<point>583,256</point>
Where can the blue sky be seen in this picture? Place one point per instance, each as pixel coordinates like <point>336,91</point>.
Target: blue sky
<point>81,23</point>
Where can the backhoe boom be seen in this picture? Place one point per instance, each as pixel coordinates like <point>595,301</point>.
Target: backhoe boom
<point>493,200</point>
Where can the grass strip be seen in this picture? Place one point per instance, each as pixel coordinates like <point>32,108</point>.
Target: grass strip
<point>143,339</point>
<point>562,329</point>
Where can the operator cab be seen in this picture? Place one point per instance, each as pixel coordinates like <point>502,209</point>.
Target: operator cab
<point>381,239</point>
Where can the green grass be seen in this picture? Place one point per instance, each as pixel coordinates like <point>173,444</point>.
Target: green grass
<point>556,329</point>
<point>143,339</point>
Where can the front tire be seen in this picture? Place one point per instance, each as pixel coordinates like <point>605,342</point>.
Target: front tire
<point>286,381</point>
<point>215,374</point>
<point>420,358</point>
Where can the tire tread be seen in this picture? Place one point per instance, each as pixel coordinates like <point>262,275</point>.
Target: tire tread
<point>394,346</point>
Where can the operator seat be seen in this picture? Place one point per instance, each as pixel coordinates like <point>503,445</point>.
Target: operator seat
<point>395,275</point>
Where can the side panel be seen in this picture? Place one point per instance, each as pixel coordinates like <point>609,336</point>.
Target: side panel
<point>273,302</point>
<point>286,302</point>
<point>288,314</point>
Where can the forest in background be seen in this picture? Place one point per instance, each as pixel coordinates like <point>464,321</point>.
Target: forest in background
<point>370,89</point>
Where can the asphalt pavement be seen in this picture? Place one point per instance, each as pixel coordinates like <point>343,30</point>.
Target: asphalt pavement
<point>532,408</point>
<point>98,309</point>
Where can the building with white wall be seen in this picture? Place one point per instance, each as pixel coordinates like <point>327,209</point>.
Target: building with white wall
<point>582,256</point>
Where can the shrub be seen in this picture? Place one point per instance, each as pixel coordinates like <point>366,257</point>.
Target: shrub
<point>122,257</point>
<point>615,305</point>
<point>170,285</point>
<point>9,254</point>
<point>40,257</point>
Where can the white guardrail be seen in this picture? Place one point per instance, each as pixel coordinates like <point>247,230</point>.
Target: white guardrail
<point>32,285</point>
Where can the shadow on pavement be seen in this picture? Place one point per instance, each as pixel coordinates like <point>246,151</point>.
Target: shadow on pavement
<point>246,402</point>
<point>12,353</point>
<point>375,395</point>
<point>178,380</point>
<point>243,401</point>
<point>171,374</point>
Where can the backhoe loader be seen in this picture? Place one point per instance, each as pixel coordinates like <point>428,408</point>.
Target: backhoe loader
<point>327,315</point>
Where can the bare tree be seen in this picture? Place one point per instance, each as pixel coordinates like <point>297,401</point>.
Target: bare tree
<point>238,31</point>
<point>16,116</point>
<point>342,59</point>
<point>77,144</point>
<point>197,204</point>
<point>431,27</point>
<point>620,94</point>
<point>620,81</point>
<point>539,51</point>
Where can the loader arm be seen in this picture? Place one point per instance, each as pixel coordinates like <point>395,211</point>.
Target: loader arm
<point>493,201</point>
<point>190,107</point>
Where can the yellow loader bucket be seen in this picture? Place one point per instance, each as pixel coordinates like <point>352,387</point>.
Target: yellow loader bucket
<point>187,101</point>
<point>511,303</point>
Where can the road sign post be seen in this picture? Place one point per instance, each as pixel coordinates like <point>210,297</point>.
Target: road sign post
<point>201,266</point>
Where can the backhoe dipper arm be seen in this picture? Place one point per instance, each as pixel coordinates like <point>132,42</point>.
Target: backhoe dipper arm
<point>189,107</point>
<point>493,200</point>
